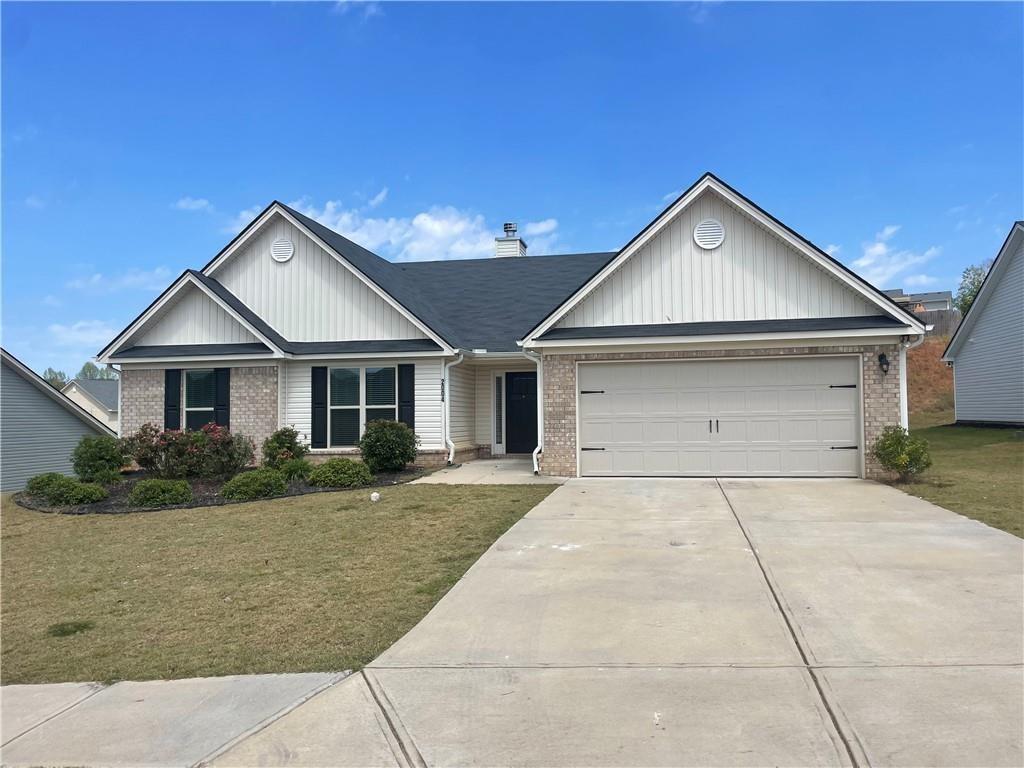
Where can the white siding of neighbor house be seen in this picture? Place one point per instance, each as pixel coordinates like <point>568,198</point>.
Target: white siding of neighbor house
<point>193,318</point>
<point>989,366</point>
<point>485,375</point>
<point>310,297</point>
<point>752,275</point>
<point>86,403</point>
<point>462,409</point>
<point>37,434</point>
<point>296,382</point>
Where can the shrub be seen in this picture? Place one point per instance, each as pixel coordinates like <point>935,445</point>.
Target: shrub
<point>340,473</point>
<point>68,492</point>
<point>898,451</point>
<point>295,469</point>
<point>40,485</point>
<point>283,446</point>
<point>99,458</point>
<point>387,446</point>
<point>160,493</point>
<point>212,451</point>
<point>255,484</point>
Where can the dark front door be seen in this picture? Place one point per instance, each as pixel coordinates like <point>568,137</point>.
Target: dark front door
<point>520,412</point>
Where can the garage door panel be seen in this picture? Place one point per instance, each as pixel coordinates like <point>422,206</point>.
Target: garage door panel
<point>767,417</point>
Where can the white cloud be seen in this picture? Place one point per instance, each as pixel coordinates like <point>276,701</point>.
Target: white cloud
<point>671,195</point>
<point>919,281</point>
<point>84,333</point>
<point>49,300</point>
<point>242,219</point>
<point>132,279</point>
<point>545,227</point>
<point>880,263</point>
<point>193,204</point>
<point>832,249</point>
<point>365,7</point>
<point>379,198</point>
<point>34,201</point>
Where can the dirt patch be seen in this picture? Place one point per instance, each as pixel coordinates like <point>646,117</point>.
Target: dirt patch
<point>929,379</point>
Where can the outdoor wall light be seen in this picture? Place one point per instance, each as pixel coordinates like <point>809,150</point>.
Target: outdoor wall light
<point>883,363</point>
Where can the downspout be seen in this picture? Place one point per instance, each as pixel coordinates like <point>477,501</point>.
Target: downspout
<point>448,407</point>
<point>904,403</point>
<point>539,359</point>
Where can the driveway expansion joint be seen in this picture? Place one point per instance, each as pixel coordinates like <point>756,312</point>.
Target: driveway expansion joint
<point>408,754</point>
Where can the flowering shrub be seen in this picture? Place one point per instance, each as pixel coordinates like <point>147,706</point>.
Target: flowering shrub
<point>283,446</point>
<point>899,452</point>
<point>209,452</point>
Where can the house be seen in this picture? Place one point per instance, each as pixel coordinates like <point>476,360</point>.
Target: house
<point>39,427</point>
<point>922,302</point>
<point>987,350</point>
<point>97,396</point>
<point>718,341</point>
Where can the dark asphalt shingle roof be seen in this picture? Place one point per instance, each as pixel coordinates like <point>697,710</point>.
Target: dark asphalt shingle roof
<point>103,390</point>
<point>728,326</point>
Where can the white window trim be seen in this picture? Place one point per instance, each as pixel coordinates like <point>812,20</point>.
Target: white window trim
<point>184,397</point>
<point>362,407</point>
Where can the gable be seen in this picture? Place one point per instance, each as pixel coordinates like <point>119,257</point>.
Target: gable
<point>312,296</point>
<point>752,275</point>
<point>191,317</point>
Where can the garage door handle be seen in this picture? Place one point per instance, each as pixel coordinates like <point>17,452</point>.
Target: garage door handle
<point>842,448</point>
<point>591,391</point>
<point>716,425</point>
<point>591,449</point>
<point>842,386</point>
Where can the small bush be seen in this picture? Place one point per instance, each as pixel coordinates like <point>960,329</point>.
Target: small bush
<point>295,469</point>
<point>387,446</point>
<point>900,452</point>
<point>160,493</point>
<point>255,484</point>
<point>99,459</point>
<point>68,492</point>
<point>340,473</point>
<point>224,454</point>
<point>40,485</point>
<point>212,451</point>
<point>282,446</point>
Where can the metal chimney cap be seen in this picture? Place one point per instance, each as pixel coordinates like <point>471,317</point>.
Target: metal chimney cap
<point>510,228</point>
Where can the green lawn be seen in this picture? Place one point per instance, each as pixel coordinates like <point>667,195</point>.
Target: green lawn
<point>312,583</point>
<point>978,472</point>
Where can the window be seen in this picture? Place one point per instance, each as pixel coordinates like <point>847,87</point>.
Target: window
<point>200,394</point>
<point>356,396</point>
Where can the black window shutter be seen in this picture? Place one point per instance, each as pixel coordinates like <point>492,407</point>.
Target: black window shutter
<point>319,398</point>
<point>407,395</point>
<point>172,398</point>
<point>222,398</point>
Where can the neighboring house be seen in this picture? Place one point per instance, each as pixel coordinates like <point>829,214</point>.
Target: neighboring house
<point>716,342</point>
<point>987,350</point>
<point>921,302</point>
<point>97,396</point>
<point>39,427</point>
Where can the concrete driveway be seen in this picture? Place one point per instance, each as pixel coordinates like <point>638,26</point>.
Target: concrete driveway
<point>690,622</point>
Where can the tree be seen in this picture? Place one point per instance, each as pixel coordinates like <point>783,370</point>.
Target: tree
<point>56,379</point>
<point>970,284</point>
<point>92,371</point>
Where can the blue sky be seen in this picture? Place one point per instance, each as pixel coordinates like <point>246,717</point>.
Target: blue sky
<point>137,138</point>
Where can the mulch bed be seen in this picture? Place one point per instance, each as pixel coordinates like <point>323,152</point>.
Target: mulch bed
<point>205,493</point>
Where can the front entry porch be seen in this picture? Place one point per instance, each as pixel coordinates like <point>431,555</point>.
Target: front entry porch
<point>507,470</point>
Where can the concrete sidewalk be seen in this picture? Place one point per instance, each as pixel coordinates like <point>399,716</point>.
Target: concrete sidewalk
<point>634,622</point>
<point>497,471</point>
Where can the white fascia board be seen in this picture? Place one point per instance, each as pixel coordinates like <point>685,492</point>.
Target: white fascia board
<point>141,363</point>
<point>724,338</point>
<point>256,225</point>
<point>698,189</point>
<point>176,288</point>
<point>367,356</point>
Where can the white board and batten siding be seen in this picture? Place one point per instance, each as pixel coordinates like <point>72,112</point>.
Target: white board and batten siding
<point>310,297</point>
<point>752,275</point>
<point>37,434</point>
<point>297,404</point>
<point>194,318</point>
<point>989,366</point>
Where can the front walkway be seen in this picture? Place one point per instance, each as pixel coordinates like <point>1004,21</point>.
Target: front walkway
<point>498,471</point>
<point>642,622</point>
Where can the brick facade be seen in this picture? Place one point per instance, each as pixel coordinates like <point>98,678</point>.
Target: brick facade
<point>142,399</point>
<point>880,404</point>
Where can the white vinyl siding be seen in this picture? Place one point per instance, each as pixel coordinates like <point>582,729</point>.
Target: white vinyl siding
<point>37,434</point>
<point>989,365</point>
<point>462,409</point>
<point>311,297</point>
<point>296,382</point>
<point>753,275</point>
<point>194,318</point>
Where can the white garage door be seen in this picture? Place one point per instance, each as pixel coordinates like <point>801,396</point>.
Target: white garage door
<point>784,416</point>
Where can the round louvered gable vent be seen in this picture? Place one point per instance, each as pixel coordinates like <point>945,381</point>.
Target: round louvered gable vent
<point>282,250</point>
<point>709,234</point>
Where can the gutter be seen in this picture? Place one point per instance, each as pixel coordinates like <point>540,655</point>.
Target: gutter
<point>539,359</point>
<point>448,407</point>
